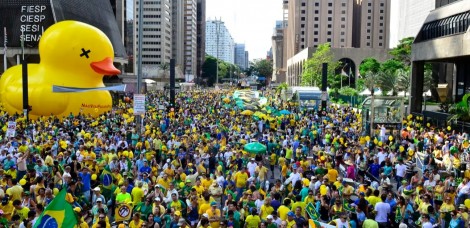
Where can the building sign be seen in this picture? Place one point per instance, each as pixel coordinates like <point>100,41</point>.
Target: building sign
<point>25,20</point>
<point>28,19</point>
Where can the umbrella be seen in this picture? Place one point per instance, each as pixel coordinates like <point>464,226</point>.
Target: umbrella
<point>247,113</point>
<point>284,112</point>
<point>255,148</point>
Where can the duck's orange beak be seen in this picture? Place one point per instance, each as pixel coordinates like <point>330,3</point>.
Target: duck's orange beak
<point>105,67</point>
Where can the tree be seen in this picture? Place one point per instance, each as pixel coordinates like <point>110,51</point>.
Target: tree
<point>403,80</point>
<point>165,68</point>
<point>391,65</point>
<point>369,64</point>
<point>264,67</point>
<point>370,81</point>
<point>312,69</point>
<point>209,69</point>
<point>387,81</point>
<point>402,52</point>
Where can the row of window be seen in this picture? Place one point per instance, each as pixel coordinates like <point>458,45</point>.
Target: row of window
<point>151,56</point>
<point>448,26</point>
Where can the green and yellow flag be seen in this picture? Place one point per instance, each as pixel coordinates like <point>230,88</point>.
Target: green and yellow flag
<point>58,213</point>
<point>107,178</point>
<point>312,211</point>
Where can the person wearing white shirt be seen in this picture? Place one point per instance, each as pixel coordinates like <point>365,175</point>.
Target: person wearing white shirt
<point>383,210</point>
<point>425,221</point>
<point>382,155</point>
<point>294,177</point>
<point>252,167</point>
<point>170,191</point>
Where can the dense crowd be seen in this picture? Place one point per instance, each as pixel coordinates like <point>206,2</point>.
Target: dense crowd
<point>186,166</point>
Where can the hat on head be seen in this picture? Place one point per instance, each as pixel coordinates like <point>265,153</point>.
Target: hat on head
<point>181,221</point>
<point>213,204</point>
<point>178,213</point>
<point>362,194</point>
<point>269,217</point>
<point>158,199</point>
<point>462,206</point>
<point>205,215</point>
<point>290,213</point>
<point>77,209</point>
<point>97,189</point>
<point>99,200</point>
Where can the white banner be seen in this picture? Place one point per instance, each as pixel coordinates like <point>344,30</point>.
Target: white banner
<point>11,129</point>
<point>139,104</point>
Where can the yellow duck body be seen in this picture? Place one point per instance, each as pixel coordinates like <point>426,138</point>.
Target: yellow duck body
<point>73,54</point>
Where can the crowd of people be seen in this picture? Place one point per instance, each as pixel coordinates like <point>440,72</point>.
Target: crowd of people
<point>185,166</point>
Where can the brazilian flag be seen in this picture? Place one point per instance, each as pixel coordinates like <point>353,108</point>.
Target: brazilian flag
<point>58,213</point>
<point>347,207</point>
<point>107,178</point>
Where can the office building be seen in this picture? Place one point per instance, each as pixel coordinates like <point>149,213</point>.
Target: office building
<point>407,17</point>
<point>278,52</point>
<point>443,42</point>
<point>184,38</point>
<point>355,29</point>
<point>247,61</point>
<point>201,37</point>
<point>219,42</point>
<point>240,56</point>
<point>157,36</point>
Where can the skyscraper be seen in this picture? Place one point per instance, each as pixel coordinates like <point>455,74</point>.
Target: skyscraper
<point>219,42</point>
<point>201,36</point>
<point>157,35</point>
<point>184,15</point>
<point>240,56</point>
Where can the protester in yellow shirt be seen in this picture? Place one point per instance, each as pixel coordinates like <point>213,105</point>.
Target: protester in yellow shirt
<point>137,193</point>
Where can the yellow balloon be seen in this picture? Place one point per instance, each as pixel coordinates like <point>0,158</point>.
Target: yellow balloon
<point>380,143</point>
<point>367,138</point>
<point>93,177</point>
<point>401,148</point>
<point>449,128</point>
<point>467,203</point>
<point>390,138</point>
<point>181,184</point>
<point>85,52</point>
<point>376,141</point>
<point>428,124</point>
<point>22,182</point>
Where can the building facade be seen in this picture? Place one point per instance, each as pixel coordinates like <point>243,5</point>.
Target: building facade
<point>219,42</point>
<point>201,37</point>
<point>190,39</point>
<point>407,17</point>
<point>240,56</point>
<point>337,22</point>
<point>157,36</point>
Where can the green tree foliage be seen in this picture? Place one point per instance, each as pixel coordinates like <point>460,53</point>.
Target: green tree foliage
<point>209,69</point>
<point>264,67</point>
<point>312,69</point>
<point>370,81</point>
<point>348,91</point>
<point>387,81</point>
<point>403,80</point>
<point>391,65</point>
<point>369,64</point>
<point>402,52</point>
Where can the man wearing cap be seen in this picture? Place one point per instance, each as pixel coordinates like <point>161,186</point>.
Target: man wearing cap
<point>290,219</point>
<point>214,215</point>
<point>95,209</point>
<point>97,195</point>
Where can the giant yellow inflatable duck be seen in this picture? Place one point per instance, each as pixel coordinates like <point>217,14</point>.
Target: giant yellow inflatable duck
<point>73,54</point>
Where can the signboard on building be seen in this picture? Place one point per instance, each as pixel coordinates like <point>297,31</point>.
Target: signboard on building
<point>139,104</point>
<point>25,20</point>
<point>28,19</point>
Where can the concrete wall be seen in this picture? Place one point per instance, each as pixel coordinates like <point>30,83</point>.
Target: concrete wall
<point>442,48</point>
